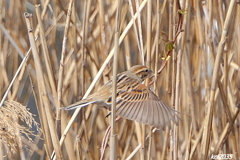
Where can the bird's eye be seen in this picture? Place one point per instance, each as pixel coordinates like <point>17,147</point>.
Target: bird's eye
<point>146,70</point>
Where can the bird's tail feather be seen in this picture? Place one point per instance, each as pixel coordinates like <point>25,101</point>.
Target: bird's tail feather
<point>79,104</point>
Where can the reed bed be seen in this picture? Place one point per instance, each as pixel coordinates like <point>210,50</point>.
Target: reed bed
<point>54,53</point>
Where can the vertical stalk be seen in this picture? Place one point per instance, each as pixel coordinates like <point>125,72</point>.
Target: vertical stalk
<point>45,104</point>
<point>140,31</point>
<point>176,58</point>
<point>113,108</point>
<point>149,45</point>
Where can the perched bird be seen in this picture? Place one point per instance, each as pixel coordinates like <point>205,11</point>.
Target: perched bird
<point>134,100</point>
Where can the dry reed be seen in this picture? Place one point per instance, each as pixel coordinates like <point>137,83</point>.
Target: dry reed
<point>61,51</point>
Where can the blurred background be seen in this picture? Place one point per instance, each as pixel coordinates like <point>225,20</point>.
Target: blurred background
<point>193,44</point>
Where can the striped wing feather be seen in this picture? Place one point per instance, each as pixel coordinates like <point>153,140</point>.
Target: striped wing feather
<point>142,105</point>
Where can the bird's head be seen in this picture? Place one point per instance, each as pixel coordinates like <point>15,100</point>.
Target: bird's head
<point>141,71</point>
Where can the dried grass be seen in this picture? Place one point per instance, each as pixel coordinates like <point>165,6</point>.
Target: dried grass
<point>12,131</point>
<point>193,47</point>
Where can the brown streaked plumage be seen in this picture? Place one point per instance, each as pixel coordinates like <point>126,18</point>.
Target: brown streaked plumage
<point>134,100</point>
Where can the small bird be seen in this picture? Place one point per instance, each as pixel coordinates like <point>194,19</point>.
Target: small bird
<point>134,100</point>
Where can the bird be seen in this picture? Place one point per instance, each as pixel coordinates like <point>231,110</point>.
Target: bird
<point>134,100</point>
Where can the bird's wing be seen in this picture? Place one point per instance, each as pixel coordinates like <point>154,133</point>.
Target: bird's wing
<point>141,104</point>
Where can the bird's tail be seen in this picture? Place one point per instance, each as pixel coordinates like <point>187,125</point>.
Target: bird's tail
<point>79,104</point>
